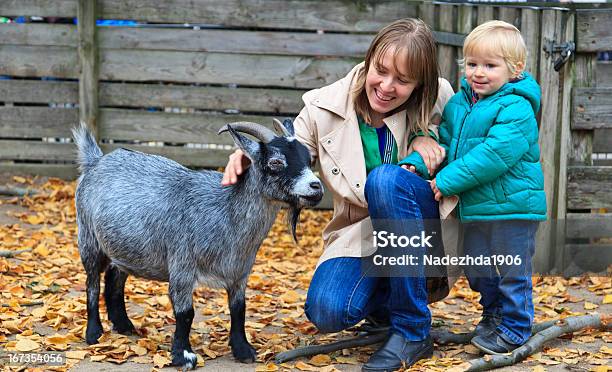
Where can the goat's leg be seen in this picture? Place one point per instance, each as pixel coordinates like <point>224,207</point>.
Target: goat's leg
<point>241,349</point>
<point>114,282</point>
<point>181,295</point>
<point>94,262</point>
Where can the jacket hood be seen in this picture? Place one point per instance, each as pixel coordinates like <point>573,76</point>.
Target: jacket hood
<point>526,87</point>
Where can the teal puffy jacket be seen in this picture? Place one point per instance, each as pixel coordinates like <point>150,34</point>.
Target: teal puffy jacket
<point>493,156</point>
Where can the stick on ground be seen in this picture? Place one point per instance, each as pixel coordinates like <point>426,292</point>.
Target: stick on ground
<point>11,254</point>
<point>567,325</point>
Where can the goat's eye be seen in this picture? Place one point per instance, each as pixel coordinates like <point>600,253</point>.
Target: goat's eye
<point>276,164</point>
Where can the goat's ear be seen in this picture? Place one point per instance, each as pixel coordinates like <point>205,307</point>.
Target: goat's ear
<point>250,147</point>
<point>288,124</point>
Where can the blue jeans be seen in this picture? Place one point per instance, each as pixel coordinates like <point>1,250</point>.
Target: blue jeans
<point>341,294</point>
<point>505,289</point>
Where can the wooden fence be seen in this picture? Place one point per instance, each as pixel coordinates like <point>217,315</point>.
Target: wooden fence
<point>163,88</point>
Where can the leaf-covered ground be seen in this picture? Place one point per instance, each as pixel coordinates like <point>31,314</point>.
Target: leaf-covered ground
<point>43,302</point>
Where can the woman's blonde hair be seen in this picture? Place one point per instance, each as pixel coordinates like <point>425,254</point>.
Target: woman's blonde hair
<point>414,39</point>
<point>498,38</point>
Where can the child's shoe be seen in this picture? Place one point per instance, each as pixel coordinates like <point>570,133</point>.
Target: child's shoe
<point>487,325</point>
<point>493,343</point>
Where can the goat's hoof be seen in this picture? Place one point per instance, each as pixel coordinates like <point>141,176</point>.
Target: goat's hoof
<point>92,335</point>
<point>244,353</point>
<point>188,360</point>
<point>127,329</point>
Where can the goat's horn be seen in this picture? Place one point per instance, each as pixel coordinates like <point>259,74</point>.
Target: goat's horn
<point>258,131</point>
<point>280,127</point>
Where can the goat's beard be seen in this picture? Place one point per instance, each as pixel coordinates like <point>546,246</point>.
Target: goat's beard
<point>293,217</point>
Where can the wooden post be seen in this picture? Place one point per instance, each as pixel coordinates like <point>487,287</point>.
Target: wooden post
<point>447,55</point>
<point>465,26</point>
<point>88,62</point>
<point>530,30</point>
<point>485,13</point>
<point>550,137</point>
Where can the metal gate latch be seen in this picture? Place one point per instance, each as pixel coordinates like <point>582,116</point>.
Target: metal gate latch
<point>566,50</point>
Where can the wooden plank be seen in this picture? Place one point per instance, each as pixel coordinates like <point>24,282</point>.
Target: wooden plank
<point>593,32</point>
<point>549,136</point>
<point>604,73</point>
<point>209,98</point>
<point>38,61</point>
<point>336,15</point>
<point>176,128</point>
<point>37,122</point>
<point>42,8</point>
<point>222,68</point>
<point>39,91</point>
<point>287,101</point>
<point>564,142</point>
<point>64,171</point>
<point>485,13</point>
<point>589,187</point>
<point>88,62</point>
<point>37,150</point>
<point>38,34</point>
<point>447,55</point>
<point>592,108</point>
<point>589,225</point>
<point>465,24</point>
<point>232,41</point>
<point>585,75</point>
<point>583,258</point>
<point>602,141</point>
<point>511,15</point>
<point>427,13</point>
<point>530,30</point>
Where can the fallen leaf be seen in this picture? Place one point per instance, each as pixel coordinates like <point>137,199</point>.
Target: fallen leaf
<point>26,345</point>
<point>80,354</point>
<point>160,361</point>
<point>590,306</point>
<point>320,360</point>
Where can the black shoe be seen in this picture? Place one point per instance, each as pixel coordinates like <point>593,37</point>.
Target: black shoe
<point>398,352</point>
<point>487,325</point>
<point>494,344</point>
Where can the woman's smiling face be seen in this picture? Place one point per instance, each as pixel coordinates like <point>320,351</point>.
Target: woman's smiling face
<point>387,83</point>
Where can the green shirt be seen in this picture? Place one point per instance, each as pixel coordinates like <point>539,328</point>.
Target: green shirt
<point>371,150</point>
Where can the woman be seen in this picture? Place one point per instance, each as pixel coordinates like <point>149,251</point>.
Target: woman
<point>360,129</point>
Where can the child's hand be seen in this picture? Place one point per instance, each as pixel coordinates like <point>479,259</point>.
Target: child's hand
<point>437,194</point>
<point>409,167</point>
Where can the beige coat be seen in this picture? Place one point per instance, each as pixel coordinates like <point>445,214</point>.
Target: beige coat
<point>328,126</point>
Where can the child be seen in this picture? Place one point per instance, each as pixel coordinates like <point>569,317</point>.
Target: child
<point>490,135</point>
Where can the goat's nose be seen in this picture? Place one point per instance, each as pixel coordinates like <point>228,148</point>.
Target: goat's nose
<point>315,185</point>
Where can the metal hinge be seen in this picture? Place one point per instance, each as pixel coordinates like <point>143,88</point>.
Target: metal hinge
<point>566,50</point>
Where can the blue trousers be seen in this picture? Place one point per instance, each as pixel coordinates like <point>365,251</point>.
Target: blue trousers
<point>505,288</point>
<point>341,293</point>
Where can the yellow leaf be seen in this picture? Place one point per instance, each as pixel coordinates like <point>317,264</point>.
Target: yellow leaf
<point>471,349</point>
<point>42,250</point>
<point>607,299</point>
<point>163,300</point>
<point>80,354</point>
<point>590,306</point>
<point>26,345</point>
<point>305,367</point>
<point>34,220</point>
<point>270,367</point>
<point>98,358</point>
<point>346,360</point>
<point>321,359</point>
<point>139,350</point>
<point>19,179</point>
<point>539,369</point>
<point>290,297</point>
<point>160,361</point>
<point>39,312</point>
<point>601,369</point>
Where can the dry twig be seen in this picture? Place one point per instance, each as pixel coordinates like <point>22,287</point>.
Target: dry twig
<point>11,254</point>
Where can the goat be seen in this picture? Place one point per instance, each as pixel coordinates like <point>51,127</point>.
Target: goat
<point>148,216</point>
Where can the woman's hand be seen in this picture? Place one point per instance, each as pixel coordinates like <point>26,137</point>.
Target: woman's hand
<point>433,154</point>
<point>236,164</point>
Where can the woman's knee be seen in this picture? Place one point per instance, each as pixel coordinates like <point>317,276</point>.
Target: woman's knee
<point>388,182</point>
<point>328,316</point>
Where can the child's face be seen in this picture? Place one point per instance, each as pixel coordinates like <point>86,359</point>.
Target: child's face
<point>386,87</point>
<point>486,73</point>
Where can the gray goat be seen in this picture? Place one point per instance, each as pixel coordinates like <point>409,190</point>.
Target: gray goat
<point>148,216</point>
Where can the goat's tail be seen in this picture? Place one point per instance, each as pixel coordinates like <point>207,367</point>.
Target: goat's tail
<point>89,153</point>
